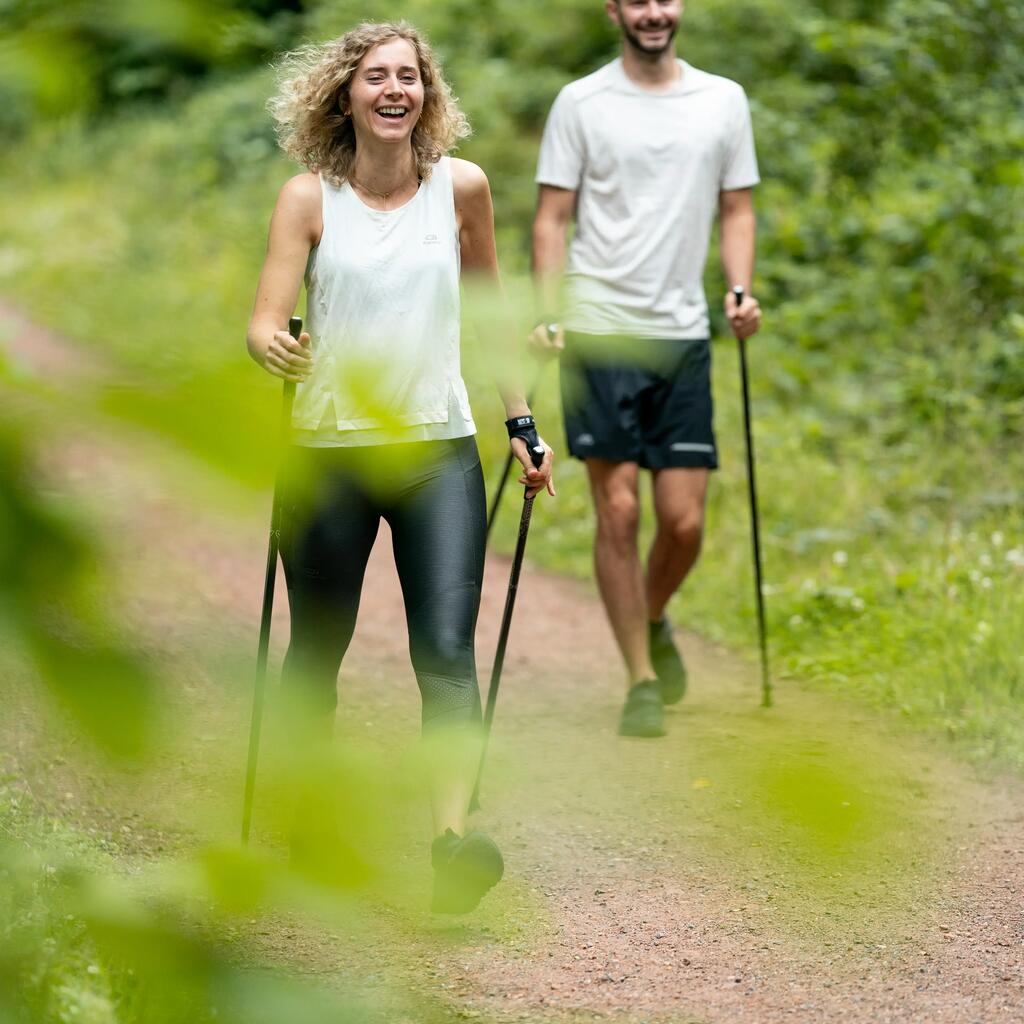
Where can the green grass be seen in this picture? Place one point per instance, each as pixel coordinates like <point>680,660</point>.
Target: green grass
<point>893,573</point>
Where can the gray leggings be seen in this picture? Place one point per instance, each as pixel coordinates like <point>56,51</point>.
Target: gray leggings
<point>432,495</point>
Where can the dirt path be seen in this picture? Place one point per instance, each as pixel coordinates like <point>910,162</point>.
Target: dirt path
<point>802,864</point>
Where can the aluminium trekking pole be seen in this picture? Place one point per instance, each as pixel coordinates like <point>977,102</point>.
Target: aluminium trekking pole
<point>537,457</point>
<point>259,690</point>
<point>755,533</point>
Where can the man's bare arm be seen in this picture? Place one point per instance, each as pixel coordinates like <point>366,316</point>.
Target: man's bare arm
<point>555,209</point>
<point>738,238</point>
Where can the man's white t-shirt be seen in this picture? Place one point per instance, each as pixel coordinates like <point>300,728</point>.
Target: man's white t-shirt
<point>647,168</point>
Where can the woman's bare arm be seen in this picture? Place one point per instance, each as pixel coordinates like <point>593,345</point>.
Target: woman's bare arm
<point>295,229</point>
<point>475,217</point>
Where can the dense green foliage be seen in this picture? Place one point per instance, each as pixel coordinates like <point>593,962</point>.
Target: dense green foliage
<point>93,56</point>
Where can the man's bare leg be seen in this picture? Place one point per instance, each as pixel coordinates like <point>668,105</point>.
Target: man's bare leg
<point>679,497</point>
<point>679,508</point>
<point>615,488</point>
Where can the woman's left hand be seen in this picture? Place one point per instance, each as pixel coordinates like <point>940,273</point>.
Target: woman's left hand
<point>535,479</point>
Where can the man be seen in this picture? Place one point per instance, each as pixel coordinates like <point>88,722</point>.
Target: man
<point>641,152</point>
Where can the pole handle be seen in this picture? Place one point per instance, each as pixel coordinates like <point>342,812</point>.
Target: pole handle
<point>738,294</point>
<point>294,329</point>
<point>536,457</point>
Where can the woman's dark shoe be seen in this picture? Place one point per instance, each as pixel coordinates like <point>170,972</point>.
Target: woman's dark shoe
<point>667,662</point>
<point>465,867</point>
<point>642,714</point>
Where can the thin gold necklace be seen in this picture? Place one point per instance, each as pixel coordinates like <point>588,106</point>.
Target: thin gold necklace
<point>381,195</point>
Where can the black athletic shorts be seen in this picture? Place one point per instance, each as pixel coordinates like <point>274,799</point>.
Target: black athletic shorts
<point>643,400</point>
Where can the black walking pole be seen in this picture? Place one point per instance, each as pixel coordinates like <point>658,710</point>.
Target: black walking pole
<point>294,329</point>
<point>755,533</point>
<point>537,457</point>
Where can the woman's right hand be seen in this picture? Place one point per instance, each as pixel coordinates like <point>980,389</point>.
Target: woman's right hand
<point>287,357</point>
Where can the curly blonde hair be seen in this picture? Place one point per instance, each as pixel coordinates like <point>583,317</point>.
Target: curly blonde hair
<point>313,91</point>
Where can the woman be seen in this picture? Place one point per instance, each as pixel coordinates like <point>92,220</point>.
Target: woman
<point>382,427</point>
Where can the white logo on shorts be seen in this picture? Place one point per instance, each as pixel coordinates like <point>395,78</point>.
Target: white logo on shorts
<point>585,439</point>
<point>683,446</point>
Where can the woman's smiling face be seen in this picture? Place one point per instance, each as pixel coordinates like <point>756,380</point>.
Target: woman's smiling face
<point>386,92</point>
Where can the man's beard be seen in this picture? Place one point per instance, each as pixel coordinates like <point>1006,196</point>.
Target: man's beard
<point>650,51</point>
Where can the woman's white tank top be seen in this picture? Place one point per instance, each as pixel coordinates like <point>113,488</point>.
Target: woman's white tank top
<point>383,318</point>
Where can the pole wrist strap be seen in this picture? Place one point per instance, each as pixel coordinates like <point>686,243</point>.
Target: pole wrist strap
<point>525,427</point>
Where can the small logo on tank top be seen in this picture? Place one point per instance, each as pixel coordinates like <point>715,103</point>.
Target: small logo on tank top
<point>431,240</point>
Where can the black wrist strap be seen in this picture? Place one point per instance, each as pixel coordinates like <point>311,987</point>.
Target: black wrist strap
<point>518,424</point>
<point>525,427</point>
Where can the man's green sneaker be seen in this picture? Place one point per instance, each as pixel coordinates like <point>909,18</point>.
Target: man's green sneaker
<point>465,867</point>
<point>667,662</point>
<point>642,713</point>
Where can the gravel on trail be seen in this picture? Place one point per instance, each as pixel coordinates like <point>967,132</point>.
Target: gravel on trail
<point>807,863</point>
